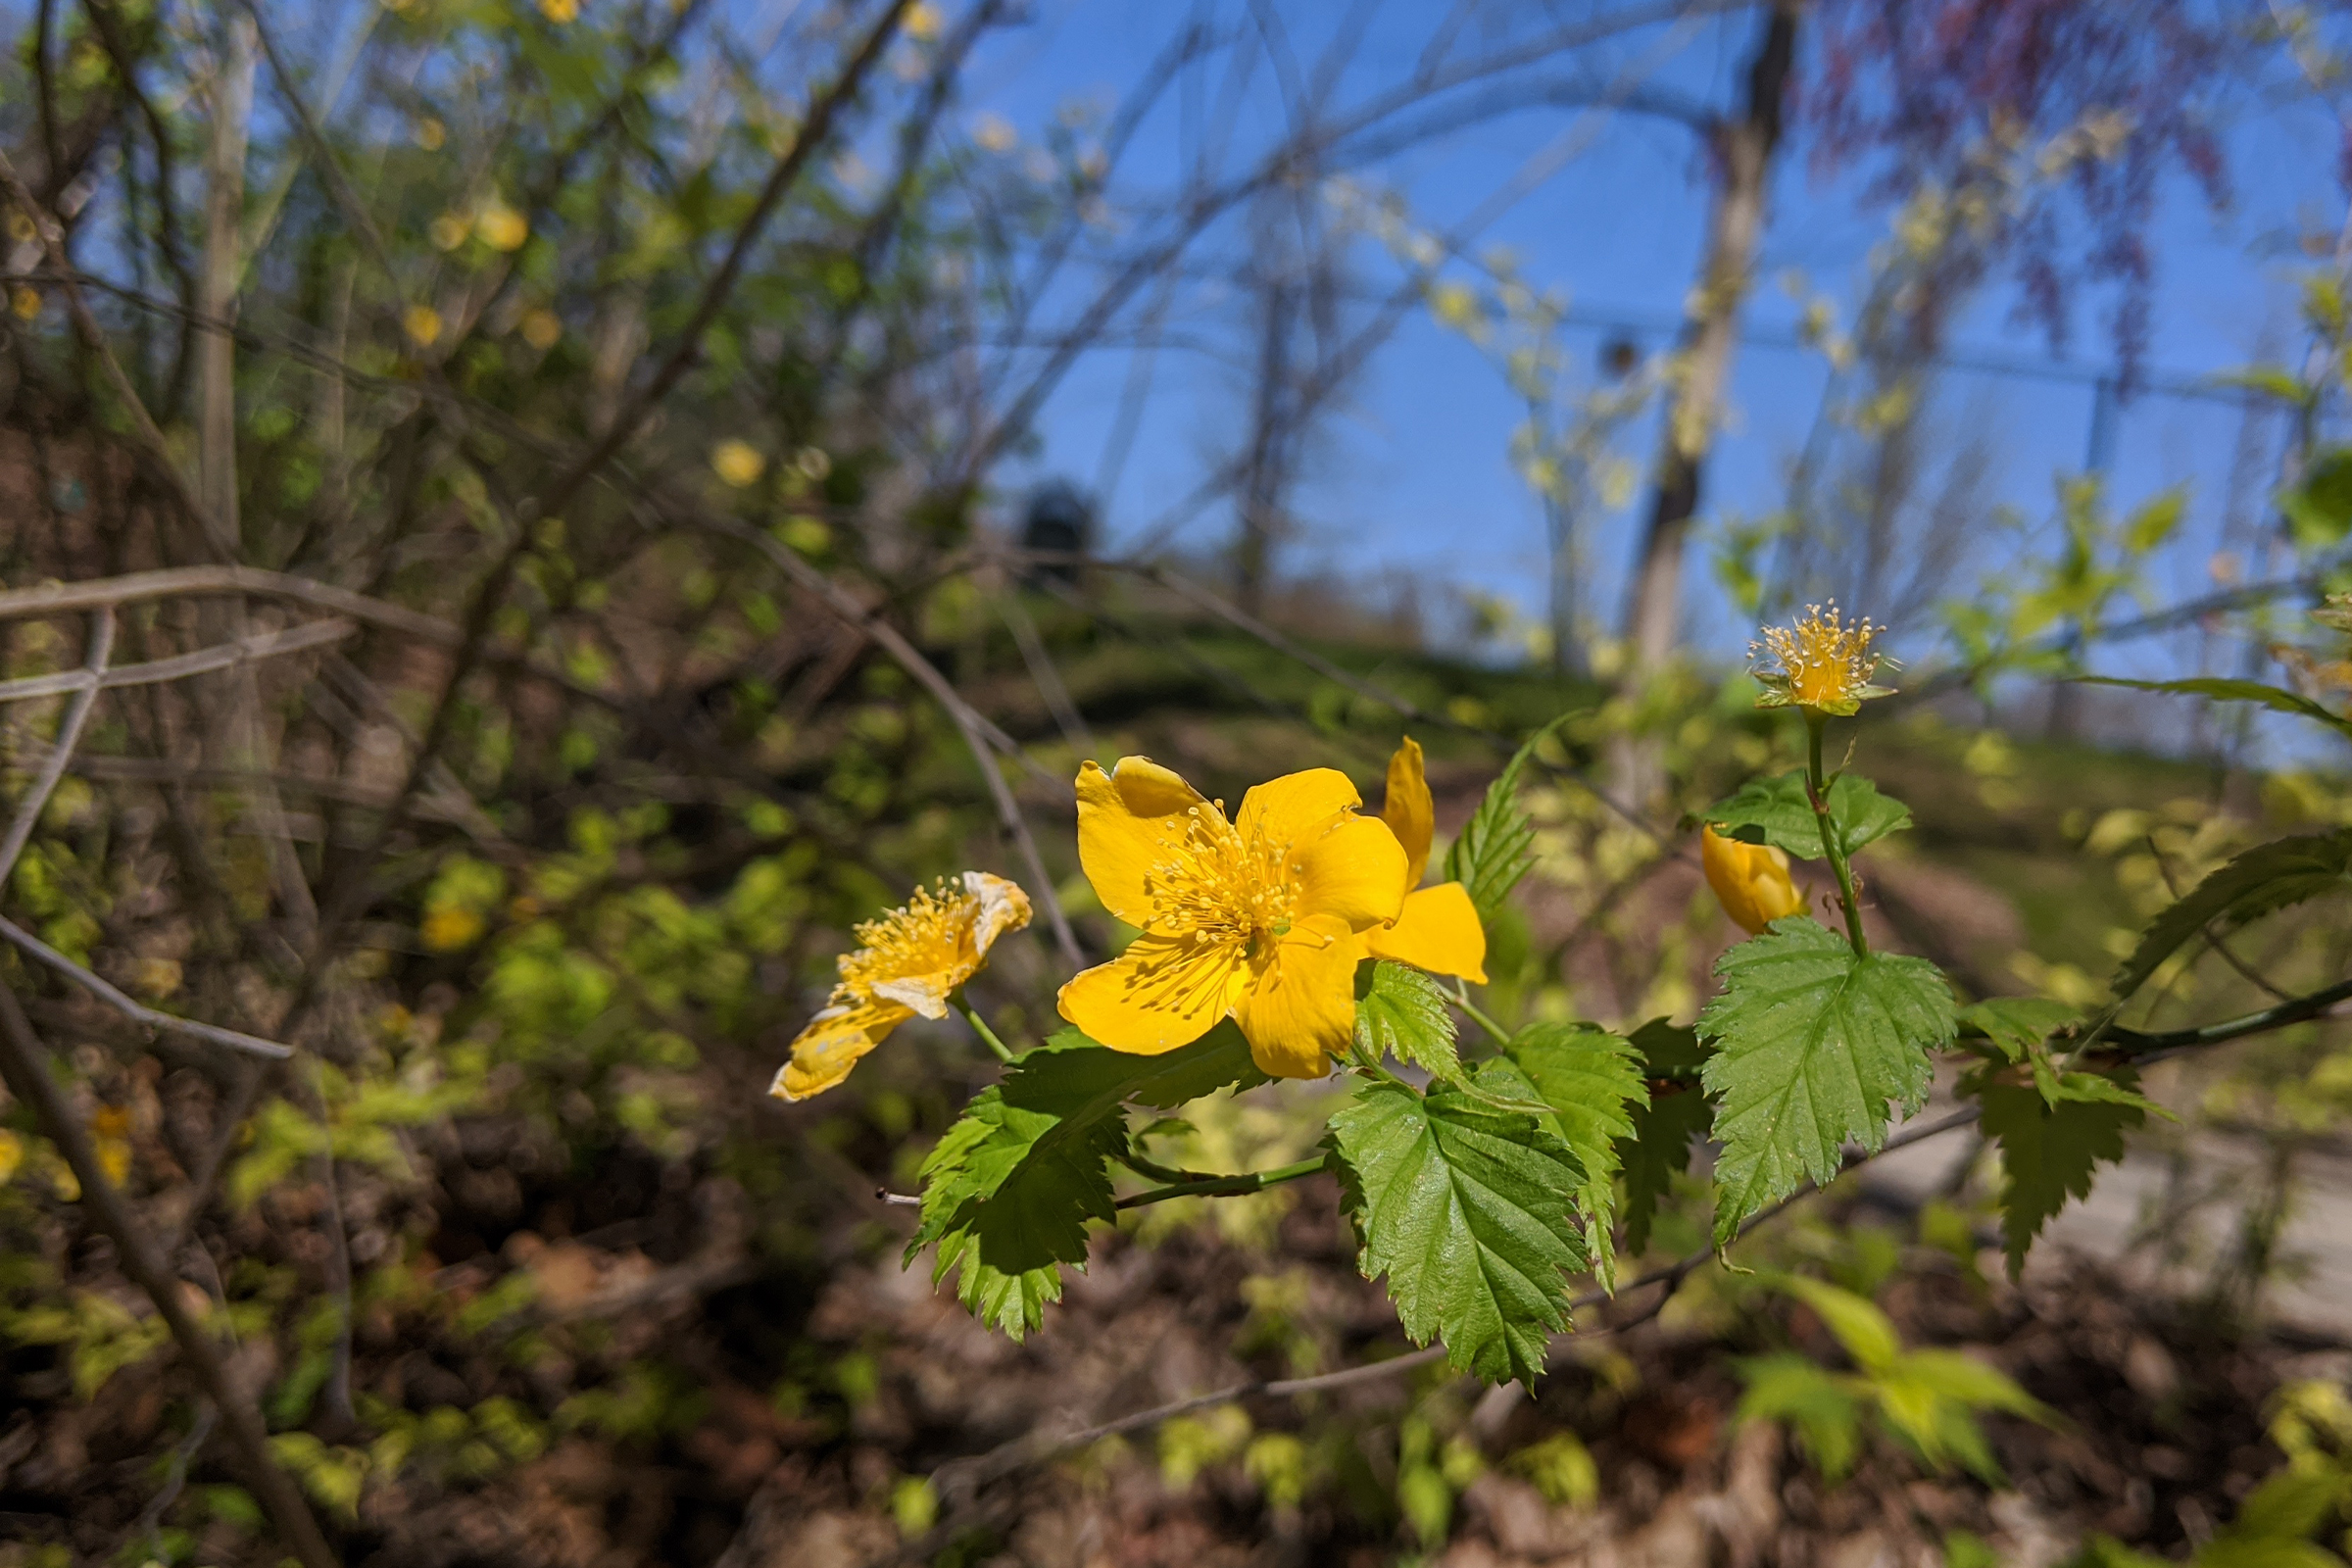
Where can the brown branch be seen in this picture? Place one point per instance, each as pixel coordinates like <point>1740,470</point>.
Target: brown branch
<point>25,1065</point>
<point>33,946</point>
<point>226,655</point>
<point>66,598</point>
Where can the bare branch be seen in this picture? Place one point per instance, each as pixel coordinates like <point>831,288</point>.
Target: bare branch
<point>205,660</point>
<point>69,736</point>
<point>66,598</point>
<point>113,998</point>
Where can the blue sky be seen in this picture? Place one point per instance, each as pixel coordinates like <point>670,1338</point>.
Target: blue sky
<point>1415,474</point>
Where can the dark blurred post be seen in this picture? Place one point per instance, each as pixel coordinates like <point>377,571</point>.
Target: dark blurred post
<point>1060,522</point>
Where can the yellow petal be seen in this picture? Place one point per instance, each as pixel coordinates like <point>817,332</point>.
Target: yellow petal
<point>1355,870</point>
<point>1125,816</point>
<point>1296,806</point>
<point>1437,930</point>
<point>1004,907</point>
<point>1162,993</point>
<point>1751,881</point>
<point>1299,1009</point>
<point>1408,810</point>
<point>830,1047</point>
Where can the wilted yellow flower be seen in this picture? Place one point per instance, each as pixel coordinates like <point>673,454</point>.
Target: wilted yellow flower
<point>1819,663</point>
<point>541,328</point>
<point>910,960</point>
<point>1751,881</point>
<point>560,11</point>
<point>423,323</point>
<point>738,463</point>
<point>109,1138</point>
<point>450,927</point>
<point>25,302</point>
<point>1261,918</point>
<point>500,227</point>
<point>1436,928</point>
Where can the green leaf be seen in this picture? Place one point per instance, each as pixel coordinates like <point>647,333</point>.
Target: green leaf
<point>2262,881</point>
<point>1822,1407</point>
<point>2319,508</point>
<point>2220,690</point>
<point>1813,1043</point>
<point>1490,856</point>
<point>1008,1189</point>
<point>1866,1333</point>
<point>1466,1209</point>
<point>1780,812</point>
<point>1676,1115</point>
<point>2049,1147</point>
<point>1404,1014</point>
<point>1593,1081</point>
<point>2015,1025</point>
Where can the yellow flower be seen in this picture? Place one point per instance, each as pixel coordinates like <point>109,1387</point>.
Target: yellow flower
<point>450,927</point>
<point>500,227</point>
<point>448,231</point>
<point>25,302</point>
<point>922,22</point>
<point>423,323</point>
<point>1824,664</point>
<point>1261,918</point>
<point>1751,881</point>
<point>109,1138</point>
<point>1436,928</point>
<point>560,11</point>
<point>11,1155</point>
<point>910,960</point>
<point>737,463</point>
<point>541,328</point>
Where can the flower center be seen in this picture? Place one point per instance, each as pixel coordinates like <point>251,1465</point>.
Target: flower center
<point>923,938</point>
<point>1211,882</point>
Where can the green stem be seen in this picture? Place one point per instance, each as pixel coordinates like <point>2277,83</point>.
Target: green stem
<point>1817,789</point>
<point>1225,1185</point>
<point>1495,1031</point>
<point>980,1027</point>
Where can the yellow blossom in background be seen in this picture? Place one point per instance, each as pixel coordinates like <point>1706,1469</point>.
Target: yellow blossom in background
<point>12,1155</point>
<point>542,328</point>
<point>448,231</point>
<point>109,1138</point>
<point>450,927</point>
<point>1820,664</point>
<point>1751,881</point>
<point>25,302</point>
<point>922,22</point>
<point>909,961</point>
<point>1261,919</point>
<point>737,463</point>
<point>500,227</point>
<point>157,977</point>
<point>430,133</point>
<point>1436,928</point>
<point>561,13</point>
<point>423,323</point>
<point>994,134</point>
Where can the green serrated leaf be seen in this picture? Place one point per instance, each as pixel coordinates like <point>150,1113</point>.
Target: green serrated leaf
<point>2049,1147</point>
<point>1592,1082</point>
<point>1466,1209</point>
<point>1008,1189</point>
<point>1780,812</point>
<point>2262,881</point>
<point>1677,1115</point>
<point>2015,1025</point>
<point>1404,1014</point>
<point>2221,690</point>
<point>1812,1046</point>
<point>1490,856</point>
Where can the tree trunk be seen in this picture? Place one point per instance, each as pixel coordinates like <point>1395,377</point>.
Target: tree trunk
<point>1743,149</point>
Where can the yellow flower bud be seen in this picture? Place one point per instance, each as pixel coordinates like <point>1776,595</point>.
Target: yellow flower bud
<point>1751,881</point>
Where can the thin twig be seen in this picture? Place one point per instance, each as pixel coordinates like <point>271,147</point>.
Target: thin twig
<point>251,1045</point>
<point>172,582</point>
<point>26,1064</point>
<point>203,662</point>
<point>69,735</point>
